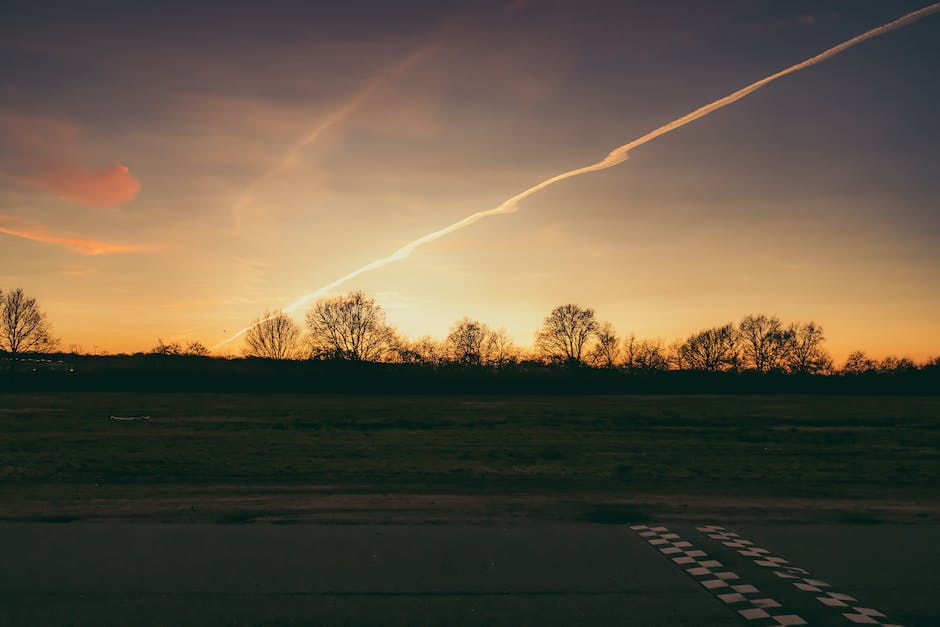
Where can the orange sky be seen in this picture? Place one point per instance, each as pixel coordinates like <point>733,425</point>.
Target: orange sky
<point>176,189</point>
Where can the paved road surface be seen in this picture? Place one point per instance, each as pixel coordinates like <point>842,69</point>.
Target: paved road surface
<point>531,574</point>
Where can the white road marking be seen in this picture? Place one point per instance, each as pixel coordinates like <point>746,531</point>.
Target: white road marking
<point>798,577</point>
<point>745,599</point>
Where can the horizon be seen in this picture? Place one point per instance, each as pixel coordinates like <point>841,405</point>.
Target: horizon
<point>176,187</point>
<point>519,351</point>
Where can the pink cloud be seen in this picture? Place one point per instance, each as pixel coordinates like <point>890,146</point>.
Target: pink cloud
<point>81,245</point>
<point>42,152</point>
<point>92,188</point>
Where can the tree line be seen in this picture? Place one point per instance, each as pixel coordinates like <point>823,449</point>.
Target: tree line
<point>353,328</point>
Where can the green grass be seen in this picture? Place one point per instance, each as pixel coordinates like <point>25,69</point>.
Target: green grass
<point>769,444</point>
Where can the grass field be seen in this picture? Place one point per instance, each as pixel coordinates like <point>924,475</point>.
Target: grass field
<point>772,445</point>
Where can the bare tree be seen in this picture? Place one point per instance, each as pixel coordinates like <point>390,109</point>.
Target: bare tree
<point>499,349</point>
<point>630,352</point>
<point>858,362</point>
<point>765,343</point>
<point>807,355</point>
<point>424,350</point>
<point>895,364</point>
<point>23,325</point>
<point>606,347</point>
<point>193,349</point>
<point>196,349</point>
<point>651,355</point>
<point>350,327</point>
<point>565,333</point>
<point>164,348</point>
<point>676,355</point>
<point>274,335</point>
<point>711,350</point>
<point>465,342</point>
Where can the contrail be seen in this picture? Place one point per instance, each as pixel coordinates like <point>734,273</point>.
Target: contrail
<point>616,156</point>
<point>340,114</point>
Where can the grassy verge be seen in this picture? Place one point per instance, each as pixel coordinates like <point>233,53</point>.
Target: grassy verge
<point>768,445</point>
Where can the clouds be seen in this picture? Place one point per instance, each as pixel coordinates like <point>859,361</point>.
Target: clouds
<point>615,157</point>
<point>332,132</point>
<point>335,117</point>
<point>110,187</point>
<point>15,227</point>
<point>44,154</point>
<point>48,155</point>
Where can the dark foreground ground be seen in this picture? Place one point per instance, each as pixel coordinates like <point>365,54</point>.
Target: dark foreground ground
<point>798,445</point>
<point>523,574</point>
<point>293,509</point>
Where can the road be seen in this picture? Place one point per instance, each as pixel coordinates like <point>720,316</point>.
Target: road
<point>118,573</point>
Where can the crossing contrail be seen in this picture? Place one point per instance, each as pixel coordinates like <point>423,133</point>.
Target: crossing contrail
<point>616,156</point>
<point>335,117</point>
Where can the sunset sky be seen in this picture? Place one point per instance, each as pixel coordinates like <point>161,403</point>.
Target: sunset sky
<point>172,171</point>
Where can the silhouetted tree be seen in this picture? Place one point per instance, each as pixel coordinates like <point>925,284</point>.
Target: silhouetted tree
<point>23,325</point>
<point>350,327</point>
<point>711,350</point>
<point>629,352</point>
<point>858,363</point>
<point>196,349</point>
<point>565,333</point>
<point>651,355</point>
<point>424,350</point>
<point>193,349</point>
<point>607,346</point>
<point>765,344</point>
<point>675,355</point>
<point>274,335</point>
<point>499,349</point>
<point>807,355</point>
<point>164,348</point>
<point>895,364</point>
<point>465,342</point>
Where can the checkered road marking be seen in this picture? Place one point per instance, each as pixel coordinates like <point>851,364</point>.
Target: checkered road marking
<point>750,604</point>
<point>848,606</point>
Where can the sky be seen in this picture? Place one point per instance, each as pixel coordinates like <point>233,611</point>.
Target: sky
<point>171,170</point>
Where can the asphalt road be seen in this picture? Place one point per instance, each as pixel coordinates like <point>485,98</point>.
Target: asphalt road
<point>525,574</point>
